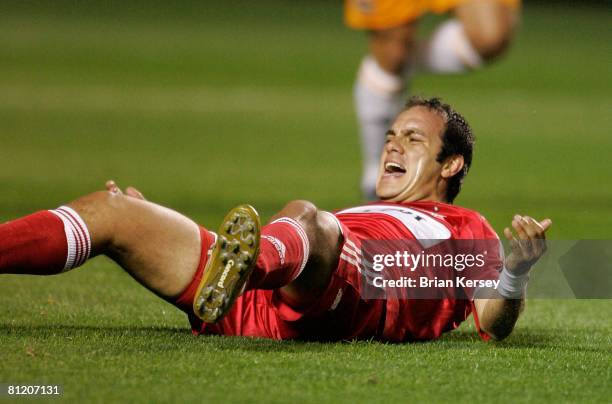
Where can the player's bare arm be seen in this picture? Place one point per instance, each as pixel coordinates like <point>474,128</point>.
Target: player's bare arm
<point>498,315</point>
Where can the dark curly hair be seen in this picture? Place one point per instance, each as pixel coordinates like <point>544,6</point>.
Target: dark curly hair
<point>457,139</point>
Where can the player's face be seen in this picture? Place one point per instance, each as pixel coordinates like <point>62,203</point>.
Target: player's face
<point>408,167</point>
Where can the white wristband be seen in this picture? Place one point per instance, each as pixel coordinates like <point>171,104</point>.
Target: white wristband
<point>512,286</point>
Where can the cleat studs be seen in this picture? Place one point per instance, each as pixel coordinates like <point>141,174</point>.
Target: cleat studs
<point>200,303</point>
<point>241,267</point>
<point>225,258</point>
<point>218,300</point>
<point>231,261</point>
<point>246,257</point>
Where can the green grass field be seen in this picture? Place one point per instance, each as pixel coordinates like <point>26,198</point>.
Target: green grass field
<point>181,101</point>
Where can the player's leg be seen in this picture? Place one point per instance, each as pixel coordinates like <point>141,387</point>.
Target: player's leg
<point>480,31</point>
<point>298,252</point>
<point>159,247</point>
<point>324,240</point>
<point>383,74</point>
<point>489,25</point>
<point>380,92</point>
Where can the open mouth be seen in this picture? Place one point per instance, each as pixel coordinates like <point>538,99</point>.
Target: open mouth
<point>394,169</point>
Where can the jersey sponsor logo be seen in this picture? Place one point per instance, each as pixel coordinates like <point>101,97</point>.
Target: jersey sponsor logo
<point>424,227</point>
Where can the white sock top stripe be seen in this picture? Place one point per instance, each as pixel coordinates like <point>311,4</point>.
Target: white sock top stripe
<point>77,220</point>
<point>70,241</point>
<point>305,243</point>
<point>72,249</point>
<point>82,227</point>
<point>77,237</point>
<point>73,235</point>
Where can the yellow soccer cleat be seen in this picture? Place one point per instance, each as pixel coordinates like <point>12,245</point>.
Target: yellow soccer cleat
<point>230,264</point>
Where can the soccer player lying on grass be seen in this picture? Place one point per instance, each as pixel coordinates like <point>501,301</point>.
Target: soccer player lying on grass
<point>298,276</point>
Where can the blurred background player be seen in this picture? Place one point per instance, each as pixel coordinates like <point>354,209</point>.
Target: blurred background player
<point>476,33</point>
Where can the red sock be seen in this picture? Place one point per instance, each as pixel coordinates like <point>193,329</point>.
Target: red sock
<point>283,254</point>
<point>44,243</point>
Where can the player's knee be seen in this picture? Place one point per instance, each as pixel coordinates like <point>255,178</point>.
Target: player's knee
<point>391,61</point>
<point>92,205</point>
<point>304,212</point>
<point>492,40</point>
<point>324,237</point>
<point>392,47</point>
<point>489,27</point>
<point>103,212</point>
<point>321,229</point>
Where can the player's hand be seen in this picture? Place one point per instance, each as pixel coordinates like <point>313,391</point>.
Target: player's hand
<point>111,186</point>
<point>528,246</point>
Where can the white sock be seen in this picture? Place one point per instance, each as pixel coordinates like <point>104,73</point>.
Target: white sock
<point>77,237</point>
<point>379,96</point>
<point>449,50</point>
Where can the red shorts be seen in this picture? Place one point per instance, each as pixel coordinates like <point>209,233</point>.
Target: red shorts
<point>339,314</point>
<point>268,314</point>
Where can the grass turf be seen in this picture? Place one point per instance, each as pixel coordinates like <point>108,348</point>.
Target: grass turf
<point>157,97</point>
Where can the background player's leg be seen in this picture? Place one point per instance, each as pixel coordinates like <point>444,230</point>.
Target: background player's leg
<point>159,247</point>
<point>481,31</point>
<point>379,94</point>
<point>489,25</point>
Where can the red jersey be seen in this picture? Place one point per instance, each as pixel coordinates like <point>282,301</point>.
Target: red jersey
<point>400,319</point>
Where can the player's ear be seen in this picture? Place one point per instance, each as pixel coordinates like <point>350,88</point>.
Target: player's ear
<point>452,165</point>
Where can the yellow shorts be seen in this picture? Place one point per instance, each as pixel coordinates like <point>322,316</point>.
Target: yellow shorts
<point>383,14</point>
